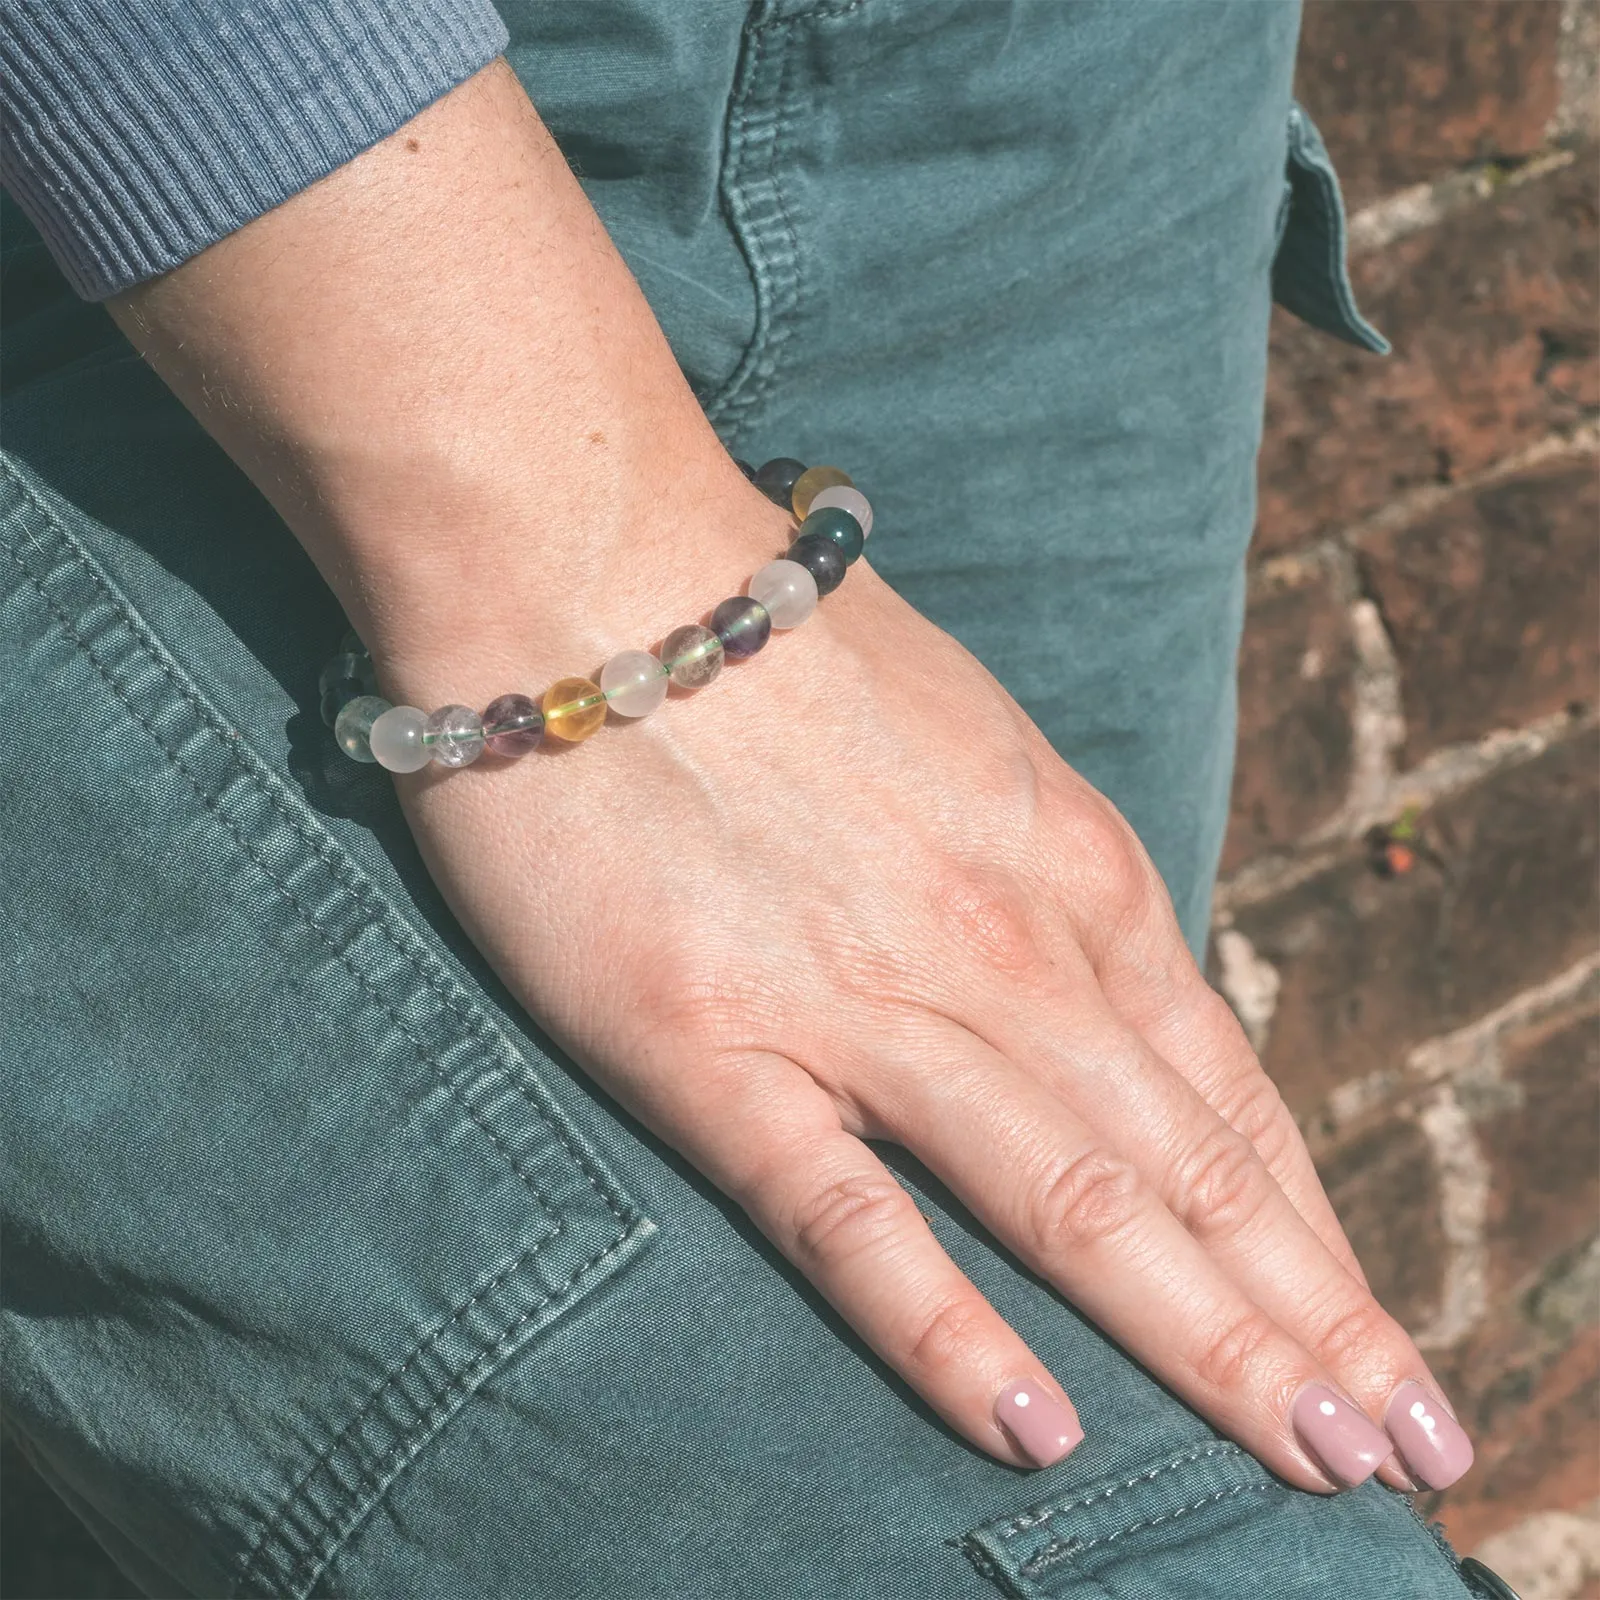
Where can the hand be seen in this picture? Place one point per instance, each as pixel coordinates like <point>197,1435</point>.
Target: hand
<point>849,892</point>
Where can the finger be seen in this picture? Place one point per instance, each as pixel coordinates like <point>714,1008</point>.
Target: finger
<point>772,1140</point>
<point>1214,1181</point>
<point>1042,1179</point>
<point>1122,919</point>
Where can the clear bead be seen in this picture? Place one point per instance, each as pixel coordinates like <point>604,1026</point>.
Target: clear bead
<point>788,592</point>
<point>353,726</point>
<point>847,499</point>
<point>635,683</point>
<point>693,655</point>
<point>455,736</point>
<point>396,739</point>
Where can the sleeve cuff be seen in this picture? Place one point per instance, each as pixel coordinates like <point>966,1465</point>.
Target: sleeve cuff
<point>137,132</point>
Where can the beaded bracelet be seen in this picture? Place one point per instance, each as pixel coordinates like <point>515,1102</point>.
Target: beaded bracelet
<point>834,520</point>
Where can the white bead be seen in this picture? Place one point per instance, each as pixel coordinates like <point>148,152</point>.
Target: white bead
<point>396,739</point>
<point>634,682</point>
<point>788,592</point>
<point>847,499</point>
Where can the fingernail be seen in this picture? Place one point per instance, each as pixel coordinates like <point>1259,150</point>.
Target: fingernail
<point>1430,1441</point>
<point>1042,1428</point>
<point>1349,1446</point>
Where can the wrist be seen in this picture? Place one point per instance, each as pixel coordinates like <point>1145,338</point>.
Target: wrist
<point>515,583</point>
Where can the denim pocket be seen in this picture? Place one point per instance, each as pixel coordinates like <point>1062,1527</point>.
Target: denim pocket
<point>280,1194</point>
<point>1309,272</point>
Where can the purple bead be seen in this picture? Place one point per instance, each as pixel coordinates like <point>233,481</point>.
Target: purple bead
<point>513,725</point>
<point>742,624</point>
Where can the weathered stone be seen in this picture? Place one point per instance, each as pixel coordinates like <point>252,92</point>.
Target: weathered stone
<point>1383,1187</point>
<point>1544,1154</point>
<point>1492,314</point>
<point>1502,895</point>
<point>1404,90</point>
<point>1295,671</point>
<point>1492,603</point>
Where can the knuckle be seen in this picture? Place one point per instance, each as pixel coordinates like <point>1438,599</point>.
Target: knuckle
<point>1233,1360</point>
<point>986,910</point>
<point>948,1336</point>
<point>845,1216</point>
<point>1222,1187</point>
<point>1114,863</point>
<point>1355,1330</point>
<point>1256,1109</point>
<point>1088,1200</point>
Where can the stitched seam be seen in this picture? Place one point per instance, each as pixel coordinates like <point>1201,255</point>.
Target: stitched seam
<point>782,270</point>
<point>478,1026</point>
<point>736,199</point>
<point>1059,1550</point>
<point>417,1436</point>
<point>273,1526</point>
<point>390,1380</point>
<point>1037,1519</point>
<point>819,14</point>
<point>417,1043</point>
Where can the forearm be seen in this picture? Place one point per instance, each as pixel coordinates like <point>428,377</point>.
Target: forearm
<point>441,372</point>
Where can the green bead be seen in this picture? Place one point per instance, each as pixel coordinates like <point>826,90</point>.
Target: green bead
<point>837,525</point>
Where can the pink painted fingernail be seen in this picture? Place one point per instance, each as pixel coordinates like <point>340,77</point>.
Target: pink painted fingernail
<point>1349,1446</point>
<point>1430,1441</point>
<point>1044,1430</point>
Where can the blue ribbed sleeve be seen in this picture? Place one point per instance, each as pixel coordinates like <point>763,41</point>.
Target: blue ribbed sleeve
<point>137,132</point>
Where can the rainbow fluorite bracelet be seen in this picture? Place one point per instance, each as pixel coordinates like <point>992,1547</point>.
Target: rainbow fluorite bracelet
<point>834,520</point>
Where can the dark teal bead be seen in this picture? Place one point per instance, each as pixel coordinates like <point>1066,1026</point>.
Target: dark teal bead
<point>775,478</point>
<point>838,525</point>
<point>822,558</point>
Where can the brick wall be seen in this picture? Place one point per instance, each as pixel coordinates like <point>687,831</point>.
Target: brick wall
<point>1421,655</point>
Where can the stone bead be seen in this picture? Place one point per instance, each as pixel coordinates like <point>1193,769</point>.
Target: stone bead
<point>811,483</point>
<point>512,725</point>
<point>351,645</point>
<point>345,667</point>
<point>787,590</point>
<point>574,709</point>
<point>396,739</point>
<point>455,736</point>
<point>822,558</point>
<point>693,655</point>
<point>851,500</point>
<point>742,624</point>
<point>635,683</point>
<point>831,522</point>
<point>776,478</point>
<point>353,726</point>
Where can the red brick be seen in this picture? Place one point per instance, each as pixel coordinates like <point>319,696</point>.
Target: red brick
<point>1404,90</point>
<point>1545,1154</point>
<point>1295,675</point>
<point>1492,314</point>
<point>1383,1187</point>
<point>1535,1423</point>
<point>1503,895</point>
<point>1491,602</point>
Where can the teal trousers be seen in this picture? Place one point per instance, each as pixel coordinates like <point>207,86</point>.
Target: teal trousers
<point>325,1273</point>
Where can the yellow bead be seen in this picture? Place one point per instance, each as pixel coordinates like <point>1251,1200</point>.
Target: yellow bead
<point>812,482</point>
<point>573,709</point>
